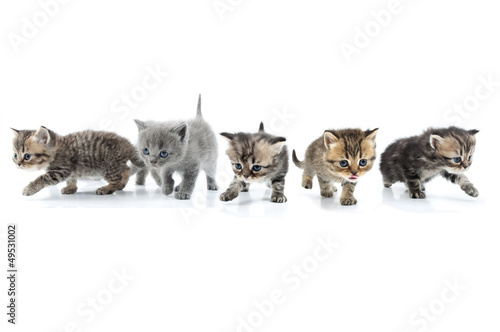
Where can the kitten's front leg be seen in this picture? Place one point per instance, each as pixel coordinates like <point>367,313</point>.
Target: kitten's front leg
<point>347,196</point>
<point>233,191</point>
<point>156,176</point>
<point>278,187</point>
<point>167,183</point>
<point>186,187</point>
<point>48,179</point>
<point>463,182</point>
<point>140,178</point>
<point>414,186</point>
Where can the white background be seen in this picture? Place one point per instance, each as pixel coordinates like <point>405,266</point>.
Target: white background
<point>200,265</point>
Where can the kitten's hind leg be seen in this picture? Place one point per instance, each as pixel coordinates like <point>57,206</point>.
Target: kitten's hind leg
<point>326,187</point>
<point>187,184</point>
<point>307,179</point>
<point>210,170</point>
<point>463,182</point>
<point>278,187</point>
<point>117,180</point>
<point>70,188</point>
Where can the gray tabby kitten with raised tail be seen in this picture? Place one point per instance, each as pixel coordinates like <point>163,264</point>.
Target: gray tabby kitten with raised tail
<point>438,151</point>
<point>259,157</point>
<point>83,155</point>
<point>185,147</point>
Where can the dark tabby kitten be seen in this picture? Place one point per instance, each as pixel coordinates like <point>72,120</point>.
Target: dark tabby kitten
<point>415,160</point>
<point>338,156</point>
<point>259,157</point>
<point>86,154</point>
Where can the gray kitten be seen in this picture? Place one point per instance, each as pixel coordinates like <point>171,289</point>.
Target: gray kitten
<point>184,147</point>
<point>259,157</point>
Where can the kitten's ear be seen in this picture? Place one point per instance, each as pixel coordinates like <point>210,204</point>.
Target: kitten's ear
<point>330,139</point>
<point>181,130</point>
<point>15,132</point>
<point>141,125</point>
<point>277,144</point>
<point>228,136</point>
<point>434,140</point>
<point>371,134</point>
<point>261,127</point>
<point>42,135</point>
<point>473,132</point>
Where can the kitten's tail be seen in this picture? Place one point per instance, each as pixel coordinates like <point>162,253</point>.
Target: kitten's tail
<point>198,110</point>
<point>296,161</point>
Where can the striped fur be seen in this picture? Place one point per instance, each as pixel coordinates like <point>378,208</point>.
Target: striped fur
<point>417,159</point>
<point>81,155</point>
<point>338,156</point>
<point>252,151</point>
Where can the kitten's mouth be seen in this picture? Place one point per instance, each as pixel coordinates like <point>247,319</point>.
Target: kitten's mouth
<point>353,177</point>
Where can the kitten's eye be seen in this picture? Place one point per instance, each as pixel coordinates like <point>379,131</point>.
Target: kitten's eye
<point>257,168</point>
<point>15,156</point>
<point>164,154</point>
<point>27,157</point>
<point>238,166</point>
<point>145,151</point>
<point>457,159</point>
<point>470,158</point>
<point>344,163</point>
<point>363,162</point>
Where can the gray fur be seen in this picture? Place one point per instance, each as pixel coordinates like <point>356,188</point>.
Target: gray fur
<point>191,147</point>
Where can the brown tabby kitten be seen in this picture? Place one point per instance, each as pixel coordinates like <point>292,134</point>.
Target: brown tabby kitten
<point>338,156</point>
<point>87,154</point>
<point>259,157</point>
<point>416,160</point>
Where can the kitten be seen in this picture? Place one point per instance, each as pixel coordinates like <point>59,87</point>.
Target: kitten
<point>338,156</point>
<point>86,154</point>
<point>259,157</point>
<point>416,160</point>
<point>183,147</point>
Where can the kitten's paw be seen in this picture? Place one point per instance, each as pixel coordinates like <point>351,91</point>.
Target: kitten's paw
<point>140,182</point>
<point>104,191</point>
<point>29,190</point>
<point>167,190</point>
<point>212,186</point>
<point>182,196</point>
<point>417,194</point>
<point>470,190</point>
<point>348,201</point>
<point>227,196</point>
<point>307,183</point>
<point>279,198</point>
<point>327,193</point>
<point>68,190</point>
<point>334,189</point>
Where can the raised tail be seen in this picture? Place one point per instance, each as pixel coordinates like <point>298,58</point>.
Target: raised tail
<point>296,161</point>
<point>198,110</point>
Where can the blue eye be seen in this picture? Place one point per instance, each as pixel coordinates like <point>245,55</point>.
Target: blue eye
<point>15,156</point>
<point>457,159</point>
<point>27,157</point>
<point>257,168</point>
<point>145,151</point>
<point>164,154</point>
<point>238,166</point>
<point>344,163</point>
<point>363,162</point>
<point>470,158</point>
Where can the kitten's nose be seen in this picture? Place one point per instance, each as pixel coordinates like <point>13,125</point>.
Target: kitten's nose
<point>354,172</point>
<point>153,162</point>
<point>465,166</point>
<point>246,176</point>
<point>19,164</point>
